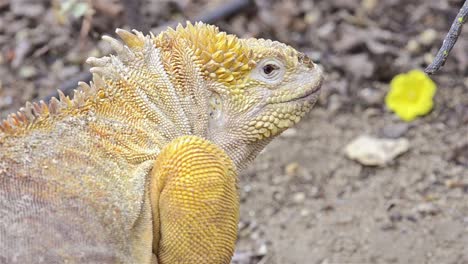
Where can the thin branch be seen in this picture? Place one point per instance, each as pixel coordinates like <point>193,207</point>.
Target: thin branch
<point>211,16</point>
<point>449,40</point>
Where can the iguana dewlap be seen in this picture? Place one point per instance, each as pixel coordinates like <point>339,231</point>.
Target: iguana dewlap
<point>140,166</point>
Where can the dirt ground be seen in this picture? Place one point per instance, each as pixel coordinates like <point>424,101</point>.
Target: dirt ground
<point>303,201</point>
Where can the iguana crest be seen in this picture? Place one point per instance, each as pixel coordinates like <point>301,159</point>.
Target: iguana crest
<point>220,56</point>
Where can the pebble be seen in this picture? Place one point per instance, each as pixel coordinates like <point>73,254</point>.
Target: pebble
<point>291,169</point>
<point>455,184</point>
<point>262,250</point>
<point>428,58</point>
<point>395,216</point>
<point>428,37</point>
<point>299,197</point>
<point>291,132</point>
<point>27,8</point>
<point>394,130</point>
<point>304,212</point>
<point>388,226</point>
<point>344,220</point>
<point>427,209</point>
<point>413,46</point>
<point>369,5</point>
<point>371,151</point>
<point>334,103</point>
<point>371,96</point>
<point>27,72</point>
<point>5,101</point>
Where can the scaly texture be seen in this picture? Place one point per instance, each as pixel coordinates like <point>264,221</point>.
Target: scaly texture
<point>140,165</point>
<point>199,180</point>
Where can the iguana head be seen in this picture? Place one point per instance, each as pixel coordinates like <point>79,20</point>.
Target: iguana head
<point>257,88</point>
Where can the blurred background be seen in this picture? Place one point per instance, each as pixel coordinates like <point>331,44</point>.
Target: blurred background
<point>303,199</point>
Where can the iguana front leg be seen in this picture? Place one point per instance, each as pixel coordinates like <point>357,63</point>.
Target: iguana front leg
<point>195,203</point>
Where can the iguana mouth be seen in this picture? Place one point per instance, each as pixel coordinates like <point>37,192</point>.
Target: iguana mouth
<point>307,95</point>
<point>310,94</point>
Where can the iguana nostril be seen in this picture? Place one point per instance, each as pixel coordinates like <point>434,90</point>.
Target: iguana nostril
<point>304,59</point>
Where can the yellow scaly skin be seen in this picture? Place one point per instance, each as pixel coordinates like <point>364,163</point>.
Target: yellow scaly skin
<point>198,179</point>
<point>141,165</point>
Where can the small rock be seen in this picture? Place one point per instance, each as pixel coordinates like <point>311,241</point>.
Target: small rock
<point>412,218</point>
<point>247,188</point>
<point>369,5</point>
<point>304,212</point>
<point>291,132</point>
<point>21,50</point>
<point>27,72</point>
<point>334,103</point>
<point>279,179</point>
<point>242,257</point>
<point>451,184</point>
<point>278,196</point>
<point>262,250</point>
<point>27,8</point>
<point>394,130</point>
<point>327,207</point>
<point>395,216</point>
<point>388,226</point>
<point>428,58</point>
<point>299,197</point>
<point>344,220</point>
<point>5,101</point>
<point>427,209</point>
<point>326,29</point>
<point>371,151</point>
<point>254,235</point>
<point>311,17</point>
<point>371,96</point>
<point>428,36</point>
<point>315,192</point>
<point>291,169</point>
<point>366,65</point>
<point>460,155</point>
<point>413,46</point>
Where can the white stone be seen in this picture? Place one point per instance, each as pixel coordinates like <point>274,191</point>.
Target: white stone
<point>371,151</point>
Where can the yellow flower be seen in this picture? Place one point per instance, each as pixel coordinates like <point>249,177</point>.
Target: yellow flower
<point>411,95</point>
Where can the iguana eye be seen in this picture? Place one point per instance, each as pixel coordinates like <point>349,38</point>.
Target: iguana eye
<point>269,70</point>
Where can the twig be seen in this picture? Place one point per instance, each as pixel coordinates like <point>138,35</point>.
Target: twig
<point>226,10</point>
<point>449,40</point>
<point>211,16</point>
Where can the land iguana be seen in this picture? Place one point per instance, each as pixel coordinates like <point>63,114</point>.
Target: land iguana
<point>141,165</point>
